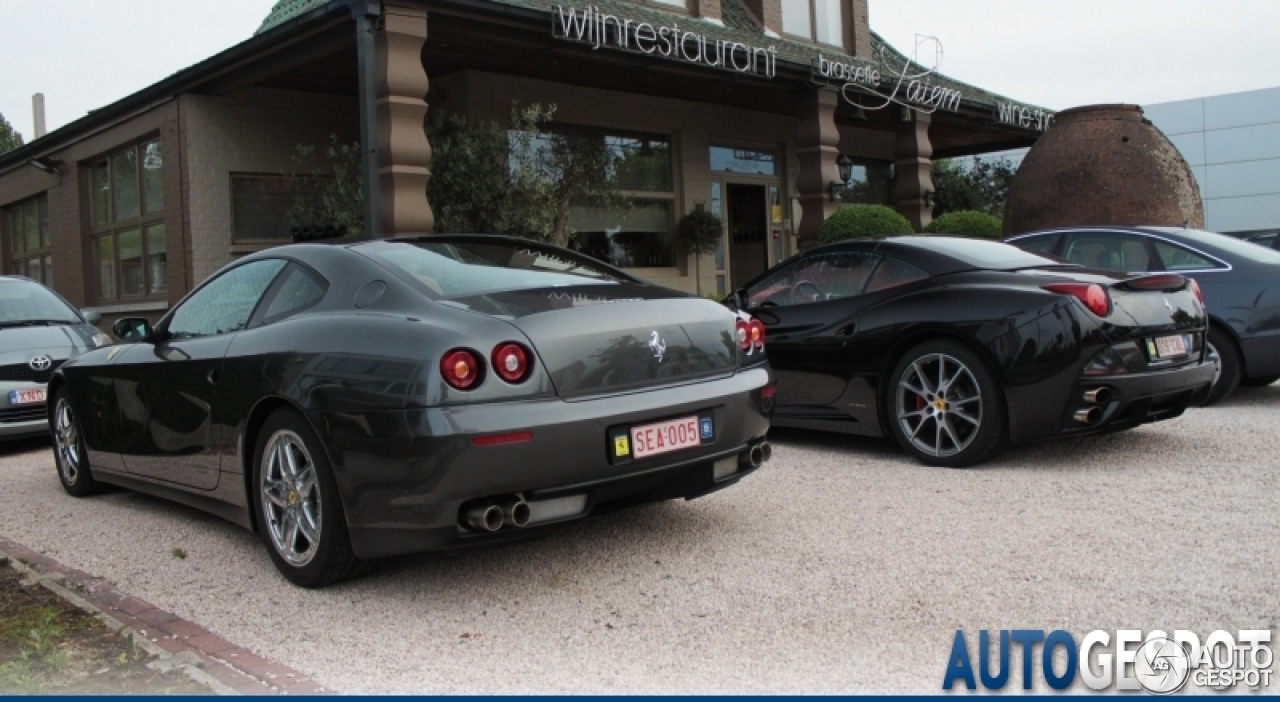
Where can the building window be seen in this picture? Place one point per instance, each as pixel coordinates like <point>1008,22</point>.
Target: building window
<point>642,235</point>
<point>26,245</point>
<point>816,20</point>
<point>126,213</point>
<point>263,207</point>
<point>744,161</point>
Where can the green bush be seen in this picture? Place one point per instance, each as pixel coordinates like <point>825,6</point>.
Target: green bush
<point>966,223</point>
<point>863,221</point>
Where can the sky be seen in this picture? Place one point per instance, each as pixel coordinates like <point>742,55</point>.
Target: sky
<point>84,54</point>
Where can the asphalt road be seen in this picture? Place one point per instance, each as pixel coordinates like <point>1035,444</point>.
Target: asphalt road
<point>842,566</point>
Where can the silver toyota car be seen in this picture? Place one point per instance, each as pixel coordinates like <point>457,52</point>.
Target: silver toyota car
<point>38,332</point>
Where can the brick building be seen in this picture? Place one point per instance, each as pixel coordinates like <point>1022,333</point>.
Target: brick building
<point>745,107</point>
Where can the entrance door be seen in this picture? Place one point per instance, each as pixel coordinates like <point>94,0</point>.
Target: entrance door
<point>748,232</point>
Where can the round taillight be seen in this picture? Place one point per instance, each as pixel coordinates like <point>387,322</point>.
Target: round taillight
<point>461,369</point>
<point>510,362</point>
<point>744,335</point>
<point>757,333</point>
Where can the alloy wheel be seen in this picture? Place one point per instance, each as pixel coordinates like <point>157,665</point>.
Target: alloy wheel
<point>1216,359</point>
<point>939,405</point>
<point>290,498</point>
<point>67,437</point>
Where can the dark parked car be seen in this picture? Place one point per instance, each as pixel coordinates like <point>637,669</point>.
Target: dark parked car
<point>1270,240</point>
<point>39,331</point>
<point>952,345</point>
<point>1240,280</point>
<point>352,401</point>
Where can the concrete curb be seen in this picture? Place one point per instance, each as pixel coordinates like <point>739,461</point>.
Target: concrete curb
<point>177,644</point>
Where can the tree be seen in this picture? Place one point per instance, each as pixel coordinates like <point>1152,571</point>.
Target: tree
<point>863,221</point>
<point>10,139</point>
<point>521,178</point>
<point>328,203</point>
<point>699,233</point>
<point>966,223</point>
<point>981,186</point>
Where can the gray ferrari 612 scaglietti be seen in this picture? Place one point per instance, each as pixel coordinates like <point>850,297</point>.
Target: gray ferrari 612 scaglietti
<point>356,400</point>
<point>39,331</point>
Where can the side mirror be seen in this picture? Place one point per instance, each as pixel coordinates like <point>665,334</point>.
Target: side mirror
<point>132,328</point>
<point>91,316</point>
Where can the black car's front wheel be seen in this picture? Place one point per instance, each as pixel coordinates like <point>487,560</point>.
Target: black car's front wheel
<point>300,515</point>
<point>945,406</point>
<point>69,449</point>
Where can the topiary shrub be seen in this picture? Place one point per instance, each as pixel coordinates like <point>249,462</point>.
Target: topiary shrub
<point>966,223</point>
<point>863,221</point>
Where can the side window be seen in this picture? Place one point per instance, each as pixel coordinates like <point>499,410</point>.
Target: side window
<point>829,276</point>
<point>1040,244</point>
<point>1176,258</point>
<point>1113,252</point>
<point>298,291</point>
<point>226,303</point>
<point>891,273</point>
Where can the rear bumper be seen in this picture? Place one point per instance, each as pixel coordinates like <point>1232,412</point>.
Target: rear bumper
<point>1140,398</point>
<point>406,475</point>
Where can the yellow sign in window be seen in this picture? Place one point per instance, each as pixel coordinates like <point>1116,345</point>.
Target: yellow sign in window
<point>621,447</point>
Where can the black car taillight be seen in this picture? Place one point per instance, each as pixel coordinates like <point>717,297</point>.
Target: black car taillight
<point>511,362</point>
<point>461,368</point>
<point>1093,296</point>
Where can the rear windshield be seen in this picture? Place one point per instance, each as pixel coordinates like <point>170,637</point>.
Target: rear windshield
<point>1229,244</point>
<point>452,269</point>
<point>988,254</point>
<point>28,301</point>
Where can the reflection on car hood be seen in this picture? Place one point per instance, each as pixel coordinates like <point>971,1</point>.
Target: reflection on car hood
<point>57,341</point>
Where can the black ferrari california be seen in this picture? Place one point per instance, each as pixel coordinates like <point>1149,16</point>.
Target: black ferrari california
<point>351,401</point>
<point>953,346</point>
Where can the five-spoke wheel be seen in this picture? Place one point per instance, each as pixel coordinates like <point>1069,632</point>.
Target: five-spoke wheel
<point>68,450</point>
<point>300,514</point>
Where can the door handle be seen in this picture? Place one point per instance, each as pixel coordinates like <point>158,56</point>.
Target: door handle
<point>846,330</point>
<point>212,377</point>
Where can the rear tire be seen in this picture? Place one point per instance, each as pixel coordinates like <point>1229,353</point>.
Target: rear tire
<point>945,406</point>
<point>1223,351</point>
<point>299,511</point>
<point>69,452</point>
<point>1260,382</point>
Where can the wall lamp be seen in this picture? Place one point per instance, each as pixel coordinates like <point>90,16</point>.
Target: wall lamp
<point>845,166</point>
<point>46,164</point>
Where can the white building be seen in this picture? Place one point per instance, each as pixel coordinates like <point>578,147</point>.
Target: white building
<point>1232,143</point>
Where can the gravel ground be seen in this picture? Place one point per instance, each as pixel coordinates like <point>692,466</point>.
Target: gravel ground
<point>842,566</point>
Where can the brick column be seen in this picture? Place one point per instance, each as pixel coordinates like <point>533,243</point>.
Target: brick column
<point>913,168</point>
<point>817,141</point>
<point>401,152</point>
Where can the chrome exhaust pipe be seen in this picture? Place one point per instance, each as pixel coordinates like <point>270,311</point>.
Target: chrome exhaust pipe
<point>516,513</point>
<point>1098,396</point>
<point>1090,415</point>
<point>755,456</point>
<point>766,451</point>
<point>486,517</point>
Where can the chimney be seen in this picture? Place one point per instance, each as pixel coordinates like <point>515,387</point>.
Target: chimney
<point>37,117</point>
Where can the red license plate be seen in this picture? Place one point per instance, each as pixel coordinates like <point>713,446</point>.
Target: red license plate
<point>1168,346</point>
<point>26,397</point>
<point>664,437</point>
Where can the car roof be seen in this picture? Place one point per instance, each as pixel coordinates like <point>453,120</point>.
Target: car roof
<point>1223,247</point>
<point>935,254</point>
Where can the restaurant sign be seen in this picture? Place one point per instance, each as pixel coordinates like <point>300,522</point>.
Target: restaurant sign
<point>910,86</point>
<point>596,28</point>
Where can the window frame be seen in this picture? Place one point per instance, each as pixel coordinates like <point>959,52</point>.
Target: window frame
<point>113,227</point>
<point>846,15</point>
<point>162,327</point>
<point>14,261</point>
<point>259,317</point>
<point>876,259</point>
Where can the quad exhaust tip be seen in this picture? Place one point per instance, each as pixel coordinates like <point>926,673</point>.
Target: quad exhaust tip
<point>1098,396</point>
<point>487,517</point>
<point>1090,415</point>
<point>516,513</point>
